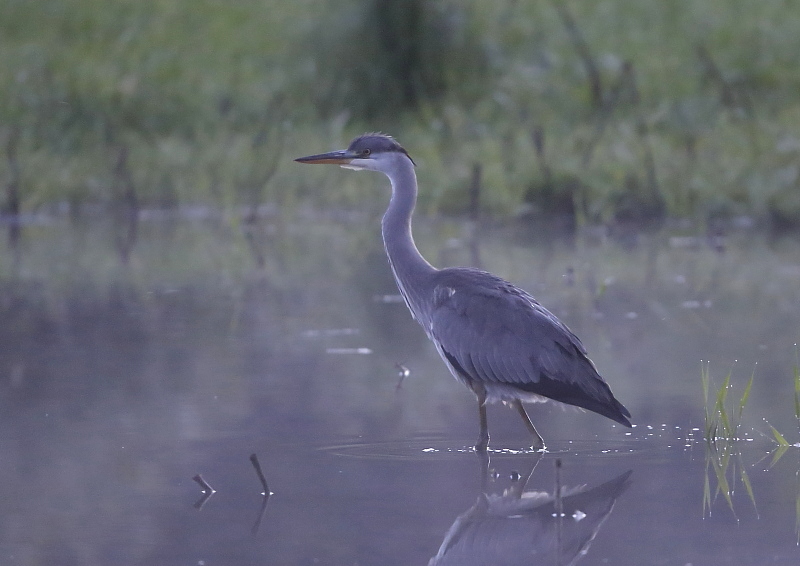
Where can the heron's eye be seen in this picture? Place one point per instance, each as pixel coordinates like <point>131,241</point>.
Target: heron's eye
<point>366,152</point>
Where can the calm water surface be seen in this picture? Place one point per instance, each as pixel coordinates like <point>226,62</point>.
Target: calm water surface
<point>128,367</point>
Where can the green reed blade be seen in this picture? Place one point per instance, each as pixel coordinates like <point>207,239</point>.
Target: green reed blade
<point>711,431</point>
<point>711,423</point>
<point>719,407</point>
<point>707,491</point>
<point>779,437</point>
<point>705,379</point>
<point>720,470</point>
<point>745,397</point>
<point>720,462</point>
<point>748,486</point>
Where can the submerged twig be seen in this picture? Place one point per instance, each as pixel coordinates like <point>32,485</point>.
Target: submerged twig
<point>261,513</point>
<point>208,491</point>
<point>558,503</point>
<point>204,484</point>
<point>266,493</point>
<point>257,466</point>
<point>403,372</point>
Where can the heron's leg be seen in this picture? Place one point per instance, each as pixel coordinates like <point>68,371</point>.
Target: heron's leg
<point>483,435</point>
<point>538,443</point>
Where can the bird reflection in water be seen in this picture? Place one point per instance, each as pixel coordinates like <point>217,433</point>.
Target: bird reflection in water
<point>525,527</point>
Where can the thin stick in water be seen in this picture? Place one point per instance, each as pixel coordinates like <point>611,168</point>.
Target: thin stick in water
<point>257,466</point>
<point>208,491</point>
<point>402,372</point>
<point>559,505</point>
<point>204,484</point>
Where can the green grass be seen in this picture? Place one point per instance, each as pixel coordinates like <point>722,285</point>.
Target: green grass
<point>723,422</point>
<point>783,445</point>
<point>723,455</point>
<point>697,111</point>
<point>722,426</point>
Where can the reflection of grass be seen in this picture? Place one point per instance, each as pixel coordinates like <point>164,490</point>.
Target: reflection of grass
<point>797,473</point>
<point>784,445</point>
<point>722,425</point>
<point>797,392</point>
<point>780,439</point>
<point>778,453</point>
<point>726,461</point>
<point>721,434</point>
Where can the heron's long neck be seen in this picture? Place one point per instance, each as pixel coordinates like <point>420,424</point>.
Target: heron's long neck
<point>407,263</point>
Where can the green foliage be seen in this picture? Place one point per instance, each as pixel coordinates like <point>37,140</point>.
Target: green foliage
<point>722,435</point>
<point>382,58</point>
<point>723,456</point>
<point>783,445</point>
<point>609,111</point>
<point>778,437</point>
<point>718,424</point>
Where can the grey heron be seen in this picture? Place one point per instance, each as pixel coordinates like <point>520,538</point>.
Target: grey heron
<point>494,337</point>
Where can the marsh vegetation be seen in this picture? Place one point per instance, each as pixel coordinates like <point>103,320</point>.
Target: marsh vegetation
<point>612,112</point>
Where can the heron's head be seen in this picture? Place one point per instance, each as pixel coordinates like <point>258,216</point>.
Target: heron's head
<point>375,152</point>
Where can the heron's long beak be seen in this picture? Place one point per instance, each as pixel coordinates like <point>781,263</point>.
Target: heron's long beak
<point>341,157</point>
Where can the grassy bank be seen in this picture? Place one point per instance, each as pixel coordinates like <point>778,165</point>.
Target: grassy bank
<point>610,111</point>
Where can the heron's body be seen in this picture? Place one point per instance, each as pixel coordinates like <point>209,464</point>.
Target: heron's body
<point>494,337</point>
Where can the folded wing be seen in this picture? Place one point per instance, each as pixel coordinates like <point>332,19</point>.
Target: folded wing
<point>493,332</point>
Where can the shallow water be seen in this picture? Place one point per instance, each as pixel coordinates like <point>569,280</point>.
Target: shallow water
<point>127,368</point>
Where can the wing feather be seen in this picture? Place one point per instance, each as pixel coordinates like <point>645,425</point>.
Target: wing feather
<point>497,333</point>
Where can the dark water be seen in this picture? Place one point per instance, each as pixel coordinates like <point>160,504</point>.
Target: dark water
<point>121,379</point>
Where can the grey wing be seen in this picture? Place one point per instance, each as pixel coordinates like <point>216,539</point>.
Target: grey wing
<point>499,334</point>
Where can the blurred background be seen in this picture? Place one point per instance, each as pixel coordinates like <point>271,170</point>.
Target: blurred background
<point>602,110</point>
